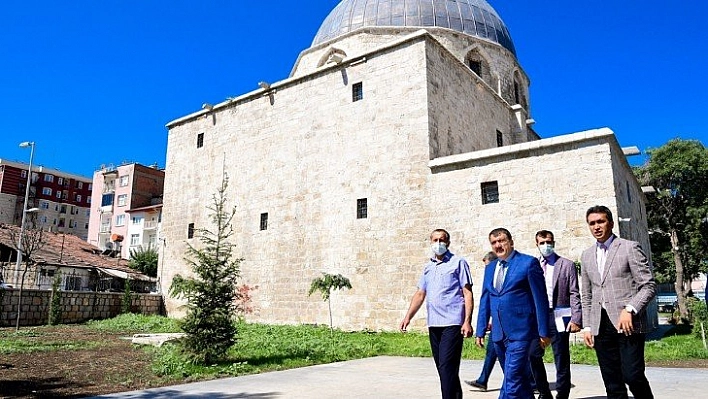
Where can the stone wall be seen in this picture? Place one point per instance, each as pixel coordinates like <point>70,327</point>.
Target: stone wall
<point>77,306</point>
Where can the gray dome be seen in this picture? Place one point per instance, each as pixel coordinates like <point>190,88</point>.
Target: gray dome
<point>472,17</point>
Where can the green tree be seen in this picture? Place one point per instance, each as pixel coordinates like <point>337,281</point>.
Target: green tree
<point>211,294</point>
<point>126,302</point>
<point>325,285</point>
<point>144,260</point>
<point>677,212</point>
<point>55,300</point>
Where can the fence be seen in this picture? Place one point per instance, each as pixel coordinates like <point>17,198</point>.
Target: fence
<point>75,306</point>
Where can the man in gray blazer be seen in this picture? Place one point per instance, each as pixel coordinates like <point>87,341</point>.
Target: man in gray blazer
<point>617,287</point>
<point>563,295</point>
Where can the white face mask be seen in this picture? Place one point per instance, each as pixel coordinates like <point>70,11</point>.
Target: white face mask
<point>546,249</point>
<point>439,248</point>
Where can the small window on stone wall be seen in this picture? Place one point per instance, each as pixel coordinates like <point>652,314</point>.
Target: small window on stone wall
<point>490,192</point>
<point>629,193</point>
<point>500,139</point>
<point>476,67</point>
<point>361,208</point>
<point>190,230</point>
<point>357,91</point>
<point>264,221</point>
<point>200,140</point>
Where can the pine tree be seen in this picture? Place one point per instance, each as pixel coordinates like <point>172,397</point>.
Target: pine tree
<point>211,294</point>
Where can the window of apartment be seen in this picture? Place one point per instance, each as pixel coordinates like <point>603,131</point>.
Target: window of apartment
<point>54,222</point>
<point>264,221</point>
<point>90,186</point>
<point>47,191</point>
<point>122,199</point>
<point>78,198</point>
<point>134,240</point>
<point>120,220</point>
<point>44,219</point>
<point>88,199</point>
<point>107,199</point>
<point>63,209</point>
<point>86,225</point>
<point>123,182</point>
<point>200,140</point>
<point>49,178</point>
<point>490,192</point>
<point>47,272</point>
<point>88,213</point>
<point>23,174</point>
<point>79,185</point>
<point>137,220</point>
<point>190,230</point>
<point>500,139</point>
<point>361,208</point>
<point>60,181</point>
<point>58,194</point>
<point>357,91</point>
<point>44,205</point>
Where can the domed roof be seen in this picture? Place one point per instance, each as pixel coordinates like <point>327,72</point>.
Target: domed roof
<point>472,17</point>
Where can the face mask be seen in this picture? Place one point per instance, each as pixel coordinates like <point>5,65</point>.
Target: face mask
<point>546,249</point>
<point>439,248</point>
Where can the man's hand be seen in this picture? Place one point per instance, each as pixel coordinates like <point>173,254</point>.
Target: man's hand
<point>466,330</point>
<point>625,323</point>
<point>545,341</point>
<point>572,327</point>
<point>403,327</point>
<point>589,339</point>
<point>479,341</point>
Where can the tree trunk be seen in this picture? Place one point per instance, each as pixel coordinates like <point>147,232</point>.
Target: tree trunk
<point>679,284</point>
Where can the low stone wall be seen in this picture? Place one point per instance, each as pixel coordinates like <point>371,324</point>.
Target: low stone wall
<point>76,306</point>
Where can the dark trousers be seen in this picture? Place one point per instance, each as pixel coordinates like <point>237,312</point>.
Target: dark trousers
<point>514,360</point>
<point>560,343</point>
<point>446,345</point>
<point>621,360</point>
<point>490,357</point>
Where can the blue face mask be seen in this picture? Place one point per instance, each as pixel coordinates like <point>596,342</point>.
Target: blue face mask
<point>546,249</point>
<point>439,248</point>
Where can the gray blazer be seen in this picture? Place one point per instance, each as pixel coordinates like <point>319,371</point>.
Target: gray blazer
<point>627,280</point>
<point>566,293</point>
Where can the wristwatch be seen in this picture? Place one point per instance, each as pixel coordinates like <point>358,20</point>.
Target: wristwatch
<point>629,309</point>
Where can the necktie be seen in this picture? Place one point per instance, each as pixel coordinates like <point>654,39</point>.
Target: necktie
<point>500,276</point>
<point>544,264</point>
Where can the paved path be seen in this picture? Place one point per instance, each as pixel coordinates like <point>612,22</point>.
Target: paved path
<point>401,377</point>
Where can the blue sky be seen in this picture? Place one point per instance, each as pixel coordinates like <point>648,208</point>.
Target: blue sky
<point>95,82</point>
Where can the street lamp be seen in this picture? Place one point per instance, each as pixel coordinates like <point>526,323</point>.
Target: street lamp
<point>24,144</point>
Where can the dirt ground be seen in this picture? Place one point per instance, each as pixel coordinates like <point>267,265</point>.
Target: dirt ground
<point>114,366</point>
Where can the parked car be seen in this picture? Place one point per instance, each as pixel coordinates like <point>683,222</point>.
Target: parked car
<point>5,286</point>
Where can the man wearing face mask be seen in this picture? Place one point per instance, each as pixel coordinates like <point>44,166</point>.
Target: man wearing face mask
<point>447,284</point>
<point>563,297</point>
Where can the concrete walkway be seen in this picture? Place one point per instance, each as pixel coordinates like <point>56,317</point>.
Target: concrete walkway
<point>401,377</point>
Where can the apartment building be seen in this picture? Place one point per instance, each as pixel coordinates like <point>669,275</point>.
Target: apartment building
<point>60,201</point>
<point>125,207</point>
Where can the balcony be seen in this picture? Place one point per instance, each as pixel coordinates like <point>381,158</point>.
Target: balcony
<point>105,228</point>
<point>149,224</point>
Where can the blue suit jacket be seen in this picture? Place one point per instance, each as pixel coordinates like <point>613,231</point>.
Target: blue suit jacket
<point>520,310</point>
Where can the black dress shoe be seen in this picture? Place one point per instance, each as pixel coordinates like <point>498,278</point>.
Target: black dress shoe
<point>482,387</point>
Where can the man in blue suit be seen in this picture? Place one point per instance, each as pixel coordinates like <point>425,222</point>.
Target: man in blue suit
<point>514,297</point>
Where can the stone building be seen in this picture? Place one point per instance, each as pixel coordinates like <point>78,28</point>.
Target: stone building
<point>402,117</point>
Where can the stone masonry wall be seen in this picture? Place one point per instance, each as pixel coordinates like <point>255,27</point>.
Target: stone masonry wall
<point>77,306</point>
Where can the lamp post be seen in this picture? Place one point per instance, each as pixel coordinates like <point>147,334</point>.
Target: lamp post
<point>24,144</point>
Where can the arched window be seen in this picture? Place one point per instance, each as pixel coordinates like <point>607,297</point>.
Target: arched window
<point>520,91</point>
<point>477,62</point>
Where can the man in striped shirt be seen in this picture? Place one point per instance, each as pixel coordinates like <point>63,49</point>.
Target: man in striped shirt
<point>446,287</point>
